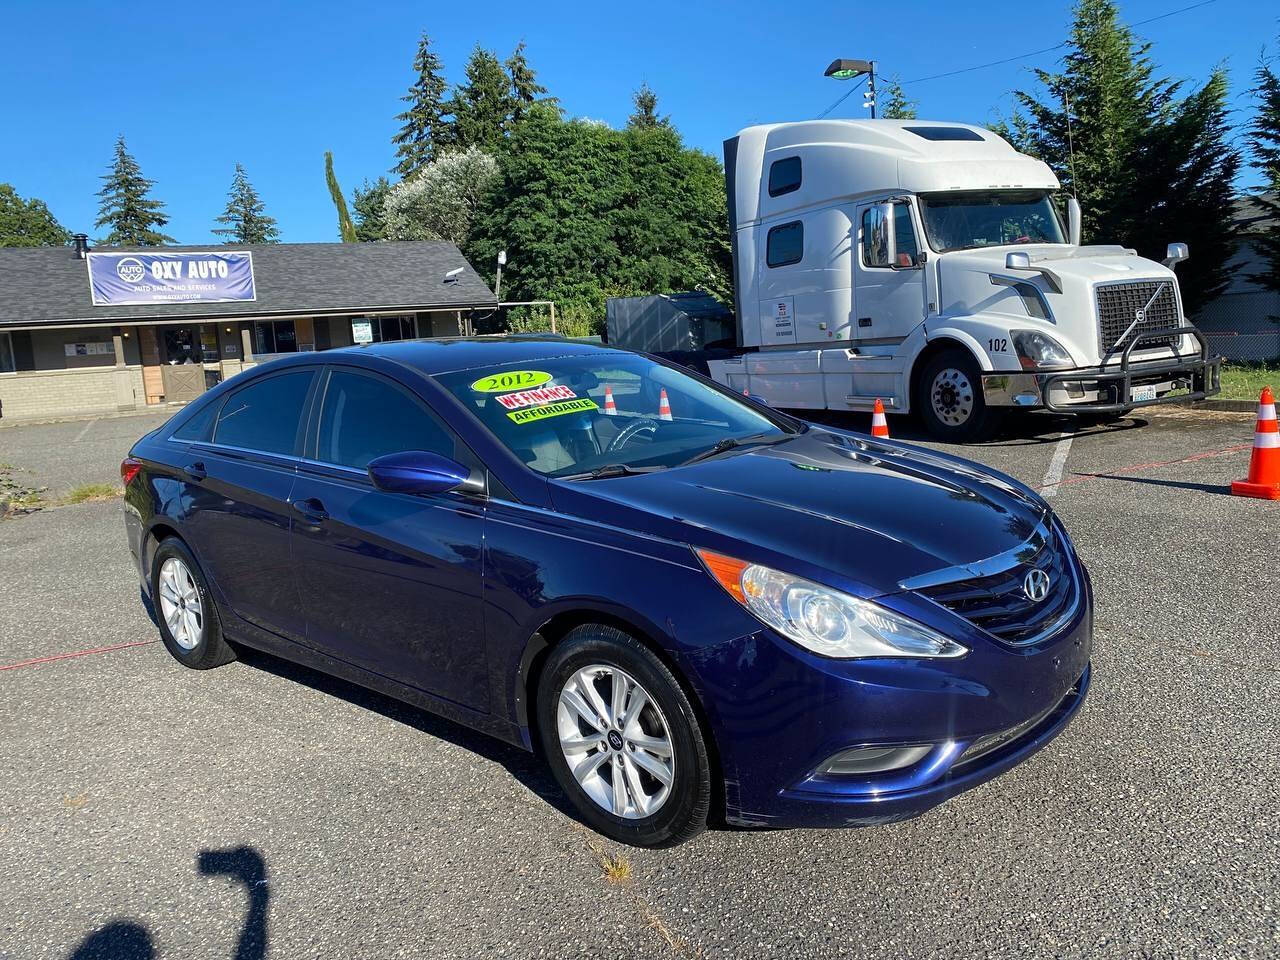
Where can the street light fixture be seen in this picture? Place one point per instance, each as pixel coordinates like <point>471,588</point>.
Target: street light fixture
<point>842,69</point>
<point>502,262</point>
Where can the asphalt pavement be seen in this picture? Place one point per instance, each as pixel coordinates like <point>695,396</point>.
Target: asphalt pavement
<point>264,810</point>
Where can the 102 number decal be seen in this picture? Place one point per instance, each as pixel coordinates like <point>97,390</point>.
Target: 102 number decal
<point>998,345</point>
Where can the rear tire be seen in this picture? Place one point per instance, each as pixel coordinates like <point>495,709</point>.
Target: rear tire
<point>185,611</point>
<point>640,772</point>
<point>949,398</point>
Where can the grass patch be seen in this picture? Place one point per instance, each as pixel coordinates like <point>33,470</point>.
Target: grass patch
<point>92,492</point>
<point>1244,381</point>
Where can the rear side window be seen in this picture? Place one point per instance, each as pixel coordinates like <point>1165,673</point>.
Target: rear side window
<point>199,428</point>
<point>365,417</point>
<point>784,176</point>
<point>264,415</point>
<point>785,244</point>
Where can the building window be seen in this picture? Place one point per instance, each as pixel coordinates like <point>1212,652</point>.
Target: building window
<point>784,176</point>
<point>274,336</point>
<point>7,362</point>
<point>785,244</point>
<point>386,328</point>
<point>875,239</point>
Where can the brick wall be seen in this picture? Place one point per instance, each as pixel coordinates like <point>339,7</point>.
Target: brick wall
<point>62,393</point>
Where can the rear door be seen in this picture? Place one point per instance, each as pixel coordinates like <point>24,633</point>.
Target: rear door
<point>239,487</point>
<point>888,297</point>
<point>390,582</point>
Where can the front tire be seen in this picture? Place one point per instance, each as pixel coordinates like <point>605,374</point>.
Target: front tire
<point>622,739</point>
<point>185,611</point>
<point>949,398</point>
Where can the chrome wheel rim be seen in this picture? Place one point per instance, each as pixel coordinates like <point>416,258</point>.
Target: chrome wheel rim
<point>952,396</point>
<point>180,604</point>
<point>616,741</point>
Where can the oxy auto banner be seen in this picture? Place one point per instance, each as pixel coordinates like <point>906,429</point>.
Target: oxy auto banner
<point>117,279</point>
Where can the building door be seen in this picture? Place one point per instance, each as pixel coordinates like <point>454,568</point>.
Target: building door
<point>182,369</point>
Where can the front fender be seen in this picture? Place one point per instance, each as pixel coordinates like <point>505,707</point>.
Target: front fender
<point>987,338</point>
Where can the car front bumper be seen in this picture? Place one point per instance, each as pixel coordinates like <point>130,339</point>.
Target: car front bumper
<point>1112,388</point>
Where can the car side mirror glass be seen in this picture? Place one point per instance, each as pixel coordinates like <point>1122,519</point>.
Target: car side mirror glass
<point>419,472</point>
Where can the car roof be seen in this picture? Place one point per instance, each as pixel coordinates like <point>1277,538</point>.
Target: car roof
<point>434,357</point>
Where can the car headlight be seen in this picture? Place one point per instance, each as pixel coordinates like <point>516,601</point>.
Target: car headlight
<point>1037,351</point>
<point>824,620</point>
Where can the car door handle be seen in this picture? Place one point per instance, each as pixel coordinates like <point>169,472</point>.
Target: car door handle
<point>195,471</point>
<point>312,510</point>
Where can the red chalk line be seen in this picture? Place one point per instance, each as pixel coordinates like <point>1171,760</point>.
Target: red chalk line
<point>1081,477</point>
<point>76,653</point>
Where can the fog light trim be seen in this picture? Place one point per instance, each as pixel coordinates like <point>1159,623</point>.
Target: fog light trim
<point>866,761</point>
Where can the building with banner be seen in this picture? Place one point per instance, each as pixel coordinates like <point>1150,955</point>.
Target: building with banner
<point>94,331</point>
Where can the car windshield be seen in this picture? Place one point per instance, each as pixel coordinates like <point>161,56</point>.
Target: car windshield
<point>989,218</point>
<point>610,414</point>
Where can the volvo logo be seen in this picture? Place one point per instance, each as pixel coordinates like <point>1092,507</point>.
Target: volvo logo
<point>1139,315</point>
<point>1036,585</point>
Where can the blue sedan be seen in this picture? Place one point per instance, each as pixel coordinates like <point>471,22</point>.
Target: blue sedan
<point>693,606</point>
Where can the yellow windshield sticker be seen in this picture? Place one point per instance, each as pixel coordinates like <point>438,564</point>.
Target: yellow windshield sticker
<point>510,380</point>
<point>529,414</point>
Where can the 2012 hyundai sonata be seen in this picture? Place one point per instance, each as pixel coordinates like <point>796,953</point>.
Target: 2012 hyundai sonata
<point>691,604</point>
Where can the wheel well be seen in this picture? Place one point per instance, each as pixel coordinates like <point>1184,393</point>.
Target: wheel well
<point>555,630</point>
<point>932,349</point>
<point>157,533</point>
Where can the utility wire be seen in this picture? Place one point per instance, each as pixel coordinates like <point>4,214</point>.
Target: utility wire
<point>847,95</point>
<point>1056,46</point>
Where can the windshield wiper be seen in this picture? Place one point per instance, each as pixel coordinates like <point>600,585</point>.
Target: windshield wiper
<point>729,443</point>
<point>609,470</point>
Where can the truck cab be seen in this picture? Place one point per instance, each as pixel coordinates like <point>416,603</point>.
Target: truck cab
<point>928,265</point>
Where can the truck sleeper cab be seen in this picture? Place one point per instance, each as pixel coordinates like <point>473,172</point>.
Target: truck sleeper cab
<point>927,264</point>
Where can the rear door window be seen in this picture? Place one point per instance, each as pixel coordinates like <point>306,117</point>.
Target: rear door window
<point>264,416</point>
<point>364,417</point>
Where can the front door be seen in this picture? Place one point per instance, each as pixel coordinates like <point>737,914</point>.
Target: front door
<point>390,582</point>
<point>888,290</point>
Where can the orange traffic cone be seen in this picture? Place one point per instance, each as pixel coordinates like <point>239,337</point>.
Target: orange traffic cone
<point>664,406</point>
<point>879,425</point>
<point>1264,465</point>
<point>610,407</point>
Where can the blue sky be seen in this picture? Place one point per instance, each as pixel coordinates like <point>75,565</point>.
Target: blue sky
<point>195,87</point>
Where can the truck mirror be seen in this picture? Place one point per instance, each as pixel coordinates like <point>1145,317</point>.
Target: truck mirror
<point>1017,261</point>
<point>1073,222</point>
<point>1175,254</point>
<point>888,218</point>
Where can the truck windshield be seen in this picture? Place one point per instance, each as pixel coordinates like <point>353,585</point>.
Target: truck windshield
<point>608,414</point>
<point>989,218</point>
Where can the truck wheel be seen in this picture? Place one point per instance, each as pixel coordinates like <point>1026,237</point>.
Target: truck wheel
<point>949,398</point>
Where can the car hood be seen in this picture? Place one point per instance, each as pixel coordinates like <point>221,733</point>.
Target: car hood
<point>832,506</point>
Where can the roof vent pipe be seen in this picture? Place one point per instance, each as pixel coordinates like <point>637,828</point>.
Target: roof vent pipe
<point>81,243</point>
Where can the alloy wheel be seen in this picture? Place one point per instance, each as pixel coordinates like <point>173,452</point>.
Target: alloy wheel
<point>952,396</point>
<point>616,741</point>
<point>180,603</point>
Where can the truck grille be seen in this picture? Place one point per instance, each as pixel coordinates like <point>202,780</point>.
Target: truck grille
<point>999,604</point>
<point>1119,302</point>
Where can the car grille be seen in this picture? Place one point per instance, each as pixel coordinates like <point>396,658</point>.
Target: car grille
<point>998,603</point>
<point>1118,303</point>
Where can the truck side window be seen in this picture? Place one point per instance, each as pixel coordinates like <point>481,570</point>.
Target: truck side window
<point>785,244</point>
<point>784,176</point>
<point>875,239</point>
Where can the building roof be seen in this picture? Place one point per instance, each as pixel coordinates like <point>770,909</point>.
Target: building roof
<point>51,284</point>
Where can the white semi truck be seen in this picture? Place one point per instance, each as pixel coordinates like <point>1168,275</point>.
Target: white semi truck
<point>927,264</point>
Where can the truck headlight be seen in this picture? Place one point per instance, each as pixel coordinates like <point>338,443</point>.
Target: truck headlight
<point>1038,351</point>
<point>823,620</point>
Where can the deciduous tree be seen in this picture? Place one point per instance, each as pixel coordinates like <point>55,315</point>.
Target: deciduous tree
<point>28,223</point>
<point>440,203</point>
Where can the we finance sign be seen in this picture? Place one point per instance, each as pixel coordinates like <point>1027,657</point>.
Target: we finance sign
<point>117,279</point>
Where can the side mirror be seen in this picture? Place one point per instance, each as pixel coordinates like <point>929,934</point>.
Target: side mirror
<point>1175,254</point>
<point>419,471</point>
<point>1017,261</point>
<point>890,221</point>
<point>1074,222</point>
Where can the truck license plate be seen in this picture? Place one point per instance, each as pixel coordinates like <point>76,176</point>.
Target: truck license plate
<point>1147,392</point>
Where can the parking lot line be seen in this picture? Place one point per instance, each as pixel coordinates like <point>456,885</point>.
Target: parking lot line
<point>75,653</point>
<point>87,426</point>
<point>1053,476</point>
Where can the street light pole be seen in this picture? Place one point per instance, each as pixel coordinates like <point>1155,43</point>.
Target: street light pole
<point>842,69</point>
<point>497,286</point>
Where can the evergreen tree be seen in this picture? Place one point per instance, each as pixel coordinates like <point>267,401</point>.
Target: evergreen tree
<point>346,229</point>
<point>369,202</point>
<point>244,219</point>
<point>525,88</point>
<point>483,105</point>
<point>1144,163</point>
<point>134,218</point>
<point>424,129</point>
<point>897,105</point>
<point>28,223</point>
<point>1263,137</point>
<point>646,112</point>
